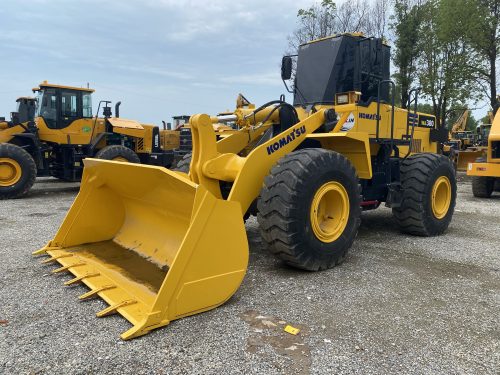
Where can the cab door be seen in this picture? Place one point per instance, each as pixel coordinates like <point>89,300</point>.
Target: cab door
<point>70,108</point>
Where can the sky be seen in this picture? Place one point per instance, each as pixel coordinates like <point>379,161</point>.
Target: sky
<point>160,58</point>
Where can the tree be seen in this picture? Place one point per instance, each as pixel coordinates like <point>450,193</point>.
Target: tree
<point>405,26</point>
<point>327,18</point>
<point>443,67</point>
<point>483,33</point>
<point>314,22</point>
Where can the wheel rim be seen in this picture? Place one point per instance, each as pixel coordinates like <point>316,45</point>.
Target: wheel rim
<point>120,158</point>
<point>10,172</point>
<point>329,211</point>
<point>441,197</point>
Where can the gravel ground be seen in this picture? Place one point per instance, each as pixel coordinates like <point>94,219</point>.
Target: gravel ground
<point>399,304</point>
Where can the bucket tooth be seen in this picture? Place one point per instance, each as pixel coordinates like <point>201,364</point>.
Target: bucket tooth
<point>53,259</point>
<point>65,268</point>
<point>42,251</point>
<point>112,309</point>
<point>45,249</point>
<point>95,291</point>
<point>80,278</point>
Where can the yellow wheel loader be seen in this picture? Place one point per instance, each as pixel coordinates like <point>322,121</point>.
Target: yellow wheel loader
<point>158,245</point>
<point>64,132</point>
<point>486,171</point>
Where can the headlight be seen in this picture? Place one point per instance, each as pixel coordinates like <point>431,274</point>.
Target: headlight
<point>342,98</point>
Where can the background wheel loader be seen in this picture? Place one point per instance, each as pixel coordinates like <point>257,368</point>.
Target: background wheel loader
<point>486,171</point>
<point>158,245</point>
<point>463,146</point>
<point>25,112</point>
<point>65,132</point>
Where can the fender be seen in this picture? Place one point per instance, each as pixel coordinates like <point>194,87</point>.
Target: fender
<point>353,145</point>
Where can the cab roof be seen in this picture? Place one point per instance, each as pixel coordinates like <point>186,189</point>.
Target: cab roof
<point>353,35</point>
<point>45,84</point>
<point>24,98</point>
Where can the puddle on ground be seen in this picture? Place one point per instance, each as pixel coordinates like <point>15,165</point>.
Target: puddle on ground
<point>268,331</point>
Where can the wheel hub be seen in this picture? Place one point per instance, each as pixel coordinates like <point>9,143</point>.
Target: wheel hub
<point>441,197</point>
<point>329,212</point>
<point>10,172</point>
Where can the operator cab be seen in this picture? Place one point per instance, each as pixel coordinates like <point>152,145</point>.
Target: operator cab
<point>25,110</point>
<point>180,121</point>
<point>59,105</point>
<point>339,64</point>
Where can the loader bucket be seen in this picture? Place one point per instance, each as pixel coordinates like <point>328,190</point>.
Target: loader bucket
<point>466,157</point>
<point>151,243</point>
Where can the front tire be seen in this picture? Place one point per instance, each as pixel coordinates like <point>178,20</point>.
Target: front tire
<point>118,153</point>
<point>429,193</point>
<point>309,209</point>
<point>17,171</point>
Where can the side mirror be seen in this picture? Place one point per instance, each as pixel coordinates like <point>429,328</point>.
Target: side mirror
<point>286,68</point>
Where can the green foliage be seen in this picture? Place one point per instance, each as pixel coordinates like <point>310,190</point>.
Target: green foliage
<point>483,35</point>
<point>425,108</point>
<point>444,72</point>
<point>405,26</point>
<point>327,6</point>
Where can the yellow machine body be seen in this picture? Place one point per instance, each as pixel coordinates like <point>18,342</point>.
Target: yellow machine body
<point>170,139</point>
<point>7,133</point>
<point>147,240</point>
<point>361,119</point>
<point>491,167</point>
<point>467,156</point>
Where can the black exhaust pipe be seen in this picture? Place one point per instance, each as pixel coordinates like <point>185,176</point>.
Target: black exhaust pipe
<point>117,109</point>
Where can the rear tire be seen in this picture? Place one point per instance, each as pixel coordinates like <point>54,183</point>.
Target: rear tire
<point>497,184</point>
<point>118,153</point>
<point>294,223</point>
<point>17,171</point>
<point>429,193</point>
<point>482,187</point>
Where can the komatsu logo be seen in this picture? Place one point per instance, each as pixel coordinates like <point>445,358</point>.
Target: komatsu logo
<point>286,140</point>
<point>349,123</point>
<point>369,116</point>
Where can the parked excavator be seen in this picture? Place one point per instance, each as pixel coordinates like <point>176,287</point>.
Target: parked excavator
<point>158,245</point>
<point>63,131</point>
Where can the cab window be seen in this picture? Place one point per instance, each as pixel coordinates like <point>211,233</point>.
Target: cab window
<point>47,107</point>
<point>87,104</point>
<point>69,107</point>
